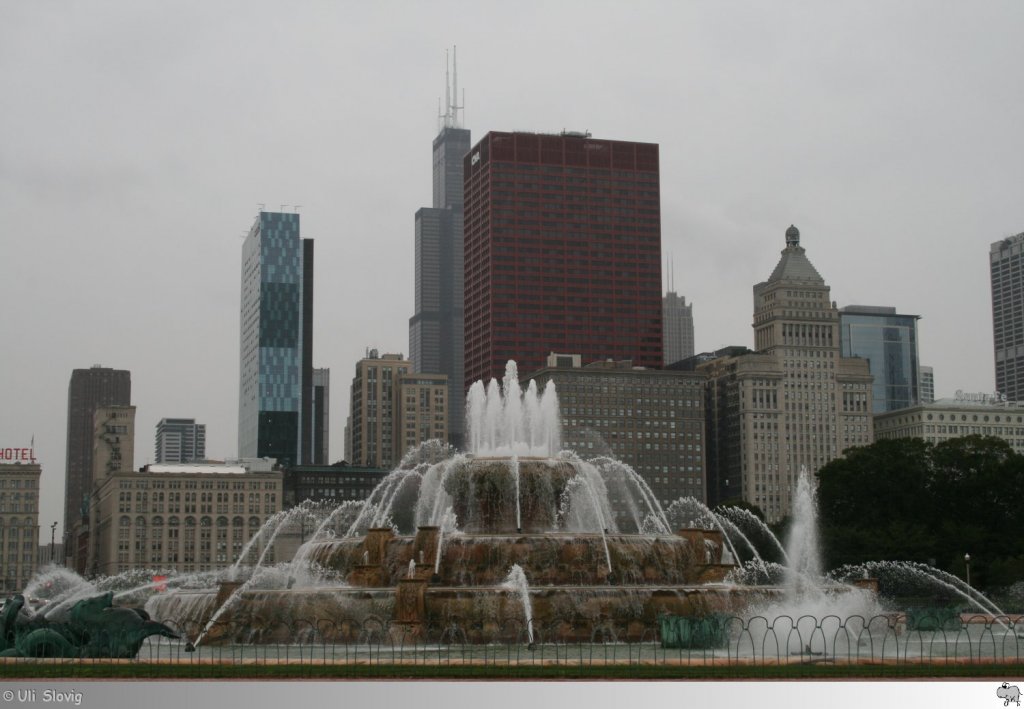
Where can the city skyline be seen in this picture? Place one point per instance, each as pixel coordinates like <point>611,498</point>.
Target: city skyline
<point>887,133</point>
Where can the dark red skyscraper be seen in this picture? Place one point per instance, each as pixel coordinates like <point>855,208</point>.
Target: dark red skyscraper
<point>562,251</point>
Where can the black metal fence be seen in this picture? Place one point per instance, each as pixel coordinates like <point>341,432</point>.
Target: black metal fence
<point>740,643</point>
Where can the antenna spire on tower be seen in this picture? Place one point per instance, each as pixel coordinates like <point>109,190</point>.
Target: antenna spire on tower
<point>449,118</point>
<point>455,87</point>
<point>447,93</point>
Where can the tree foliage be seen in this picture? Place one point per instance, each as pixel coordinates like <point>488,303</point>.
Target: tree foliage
<point>911,500</point>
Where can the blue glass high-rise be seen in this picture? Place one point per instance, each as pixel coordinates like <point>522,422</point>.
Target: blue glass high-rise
<point>276,373</point>
<point>888,340</point>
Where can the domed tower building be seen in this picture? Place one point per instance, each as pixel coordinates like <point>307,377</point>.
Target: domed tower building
<point>795,402</point>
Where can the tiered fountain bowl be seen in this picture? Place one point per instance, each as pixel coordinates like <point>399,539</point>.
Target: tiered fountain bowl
<point>516,512</point>
<point>515,539</point>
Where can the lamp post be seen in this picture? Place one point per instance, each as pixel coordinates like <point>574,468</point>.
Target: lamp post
<point>53,532</point>
<point>967,563</point>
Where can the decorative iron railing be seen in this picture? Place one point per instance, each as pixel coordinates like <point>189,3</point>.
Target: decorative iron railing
<point>730,641</point>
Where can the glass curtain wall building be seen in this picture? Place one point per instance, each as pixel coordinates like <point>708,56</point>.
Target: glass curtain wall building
<point>888,340</point>
<point>276,380</point>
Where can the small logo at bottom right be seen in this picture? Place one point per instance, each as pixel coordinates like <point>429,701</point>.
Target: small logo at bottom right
<point>1008,693</point>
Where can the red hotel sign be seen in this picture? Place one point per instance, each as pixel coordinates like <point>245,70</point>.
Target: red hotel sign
<point>17,455</point>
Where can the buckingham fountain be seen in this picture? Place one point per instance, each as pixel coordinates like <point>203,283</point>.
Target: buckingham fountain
<point>514,540</point>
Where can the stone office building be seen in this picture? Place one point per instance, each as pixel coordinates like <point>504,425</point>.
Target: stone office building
<point>19,524</point>
<point>652,420</point>
<point>966,415</point>
<point>795,403</point>
<point>183,518</point>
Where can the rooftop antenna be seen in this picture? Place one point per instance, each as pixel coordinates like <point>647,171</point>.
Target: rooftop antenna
<point>455,87</point>
<point>449,118</point>
<point>447,93</point>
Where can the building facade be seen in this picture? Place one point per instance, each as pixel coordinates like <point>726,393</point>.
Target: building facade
<point>888,341</point>
<point>677,321</point>
<point>1006,264</point>
<point>88,390</point>
<point>276,370</point>
<point>113,441</point>
<point>652,420</point>
<point>952,418</point>
<point>436,334</point>
<point>423,411</point>
<point>393,410</point>
<point>19,524</point>
<point>321,416</point>
<point>182,518</point>
<point>329,483</point>
<point>927,385</point>
<point>180,441</point>
<point>562,251</point>
<point>796,403</point>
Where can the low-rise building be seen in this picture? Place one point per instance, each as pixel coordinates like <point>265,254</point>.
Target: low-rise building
<point>336,483</point>
<point>966,415</point>
<point>184,518</point>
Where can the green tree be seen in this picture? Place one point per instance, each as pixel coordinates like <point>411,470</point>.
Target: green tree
<point>909,500</point>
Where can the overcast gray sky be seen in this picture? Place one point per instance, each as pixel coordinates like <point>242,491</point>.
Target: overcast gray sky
<point>137,139</point>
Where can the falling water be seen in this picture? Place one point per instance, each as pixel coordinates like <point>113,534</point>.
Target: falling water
<point>446,527</point>
<point>739,515</point>
<point>937,578</point>
<point>516,581</point>
<point>271,522</point>
<point>301,558</point>
<point>691,512</point>
<point>602,523</point>
<point>513,465</point>
<point>300,511</point>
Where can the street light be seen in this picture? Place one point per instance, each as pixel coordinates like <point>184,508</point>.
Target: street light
<point>967,563</point>
<point>53,531</point>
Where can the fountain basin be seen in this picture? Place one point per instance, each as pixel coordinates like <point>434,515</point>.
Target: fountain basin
<point>417,612</point>
<point>692,556</point>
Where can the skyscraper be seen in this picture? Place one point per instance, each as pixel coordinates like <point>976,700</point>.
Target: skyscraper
<point>436,328</point>
<point>1006,261</point>
<point>88,390</point>
<point>321,415</point>
<point>276,367</point>
<point>677,317</point>
<point>562,251</point>
<point>888,341</point>
<point>180,441</point>
<point>795,403</point>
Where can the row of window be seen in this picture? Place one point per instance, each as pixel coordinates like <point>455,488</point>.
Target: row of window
<point>18,483</point>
